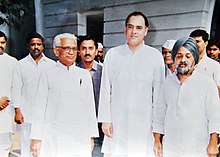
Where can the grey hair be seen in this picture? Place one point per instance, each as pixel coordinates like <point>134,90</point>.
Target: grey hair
<point>57,38</point>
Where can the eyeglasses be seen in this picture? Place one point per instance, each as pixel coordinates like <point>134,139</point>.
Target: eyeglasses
<point>68,49</point>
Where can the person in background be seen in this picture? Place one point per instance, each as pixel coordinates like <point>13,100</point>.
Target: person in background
<point>188,116</point>
<point>64,120</point>
<point>131,79</point>
<point>7,66</point>
<point>206,65</point>
<point>167,56</point>
<point>99,55</point>
<point>25,84</point>
<point>87,47</point>
<point>213,49</point>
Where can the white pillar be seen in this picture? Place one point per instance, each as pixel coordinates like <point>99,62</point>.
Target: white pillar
<point>39,17</point>
<point>210,15</point>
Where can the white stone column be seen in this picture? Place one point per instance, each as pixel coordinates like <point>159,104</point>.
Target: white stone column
<point>39,17</point>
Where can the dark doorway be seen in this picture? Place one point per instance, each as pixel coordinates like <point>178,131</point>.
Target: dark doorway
<point>215,31</point>
<point>18,43</point>
<point>95,26</point>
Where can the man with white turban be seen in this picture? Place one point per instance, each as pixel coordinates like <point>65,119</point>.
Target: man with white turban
<point>167,56</point>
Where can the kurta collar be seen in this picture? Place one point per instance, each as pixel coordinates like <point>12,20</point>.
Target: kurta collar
<point>174,76</point>
<point>4,54</point>
<point>64,67</point>
<point>41,60</point>
<point>129,50</point>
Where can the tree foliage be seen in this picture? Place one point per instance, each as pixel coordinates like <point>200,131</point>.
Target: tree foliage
<point>11,13</point>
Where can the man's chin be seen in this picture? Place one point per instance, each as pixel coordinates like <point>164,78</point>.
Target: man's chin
<point>183,71</point>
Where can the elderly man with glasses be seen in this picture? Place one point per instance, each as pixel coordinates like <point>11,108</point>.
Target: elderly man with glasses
<point>66,124</point>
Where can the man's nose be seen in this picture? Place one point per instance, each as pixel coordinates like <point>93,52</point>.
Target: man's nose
<point>87,51</point>
<point>35,46</point>
<point>134,30</point>
<point>184,59</point>
<point>72,51</point>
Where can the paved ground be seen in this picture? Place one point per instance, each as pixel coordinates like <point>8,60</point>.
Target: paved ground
<point>15,152</point>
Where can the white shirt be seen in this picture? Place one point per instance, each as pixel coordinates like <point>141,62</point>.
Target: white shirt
<point>129,83</point>
<point>187,114</point>
<point>66,112</point>
<point>168,72</point>
<point>25,83</point>
<point>7,65</point>
<point>210,67</point>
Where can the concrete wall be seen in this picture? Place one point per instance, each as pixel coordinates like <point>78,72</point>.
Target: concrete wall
<point>169,19</point>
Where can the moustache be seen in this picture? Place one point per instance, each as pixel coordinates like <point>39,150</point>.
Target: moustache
<point>182,63</point>
<point>87,55</point>
<point>1,48</point>
<point>36,49</point>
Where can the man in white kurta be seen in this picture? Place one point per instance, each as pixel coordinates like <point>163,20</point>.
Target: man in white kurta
<point>206,65</point>
<point>187,113</point>
<point>211,68</point>
<point>25,84</point>
<point>7,66</point>
<point>132,75</point>
<point>65,106</point>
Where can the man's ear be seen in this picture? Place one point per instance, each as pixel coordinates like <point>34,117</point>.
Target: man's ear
<point>146,30</point>
<point>78,53</point>
<point>56,52</point>
<point>125,29</point>
<point>206,43</point>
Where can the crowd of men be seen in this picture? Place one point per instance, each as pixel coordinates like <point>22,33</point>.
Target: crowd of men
<point>139,102</point>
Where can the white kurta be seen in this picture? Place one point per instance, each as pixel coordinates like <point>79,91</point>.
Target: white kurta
<point>66,107</point>
<point>210,67</point>
<point>25,83</point>
<point>7,66</point>
<point>187,114</point>
<point>130,84</point>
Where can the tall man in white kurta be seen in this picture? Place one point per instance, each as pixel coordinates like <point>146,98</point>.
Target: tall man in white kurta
<point>187,116</point>
<point>7,66</point>
<point>25,84</point>
<point>132,76</point>
<point>66,121</point>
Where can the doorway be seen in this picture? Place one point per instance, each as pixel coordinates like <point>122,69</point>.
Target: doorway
<point>91,23</point>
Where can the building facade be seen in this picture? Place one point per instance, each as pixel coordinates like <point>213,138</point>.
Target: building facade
<point>104,19</point>
<point>169,19</point>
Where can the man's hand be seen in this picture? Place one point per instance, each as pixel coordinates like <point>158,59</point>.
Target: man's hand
<point>4,102</point>
<point>19,119</point>
<point>158,147</point>
<point>107,129</point>
<point>92,143</point>
<point>212,148</point>
<point>35,147</point>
